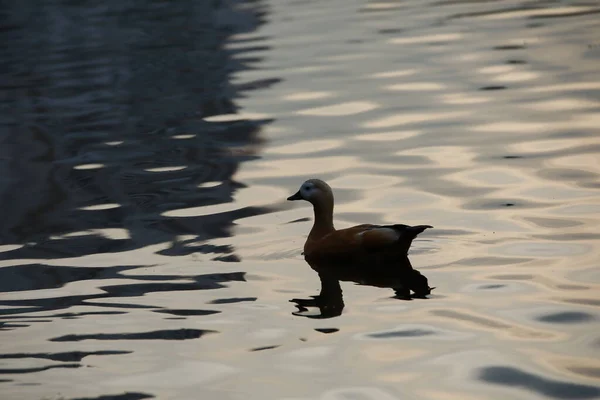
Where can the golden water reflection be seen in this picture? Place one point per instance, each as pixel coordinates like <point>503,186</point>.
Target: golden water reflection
<point>480,118</point>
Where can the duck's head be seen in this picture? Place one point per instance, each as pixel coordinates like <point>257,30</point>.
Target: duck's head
<point>314,191</point>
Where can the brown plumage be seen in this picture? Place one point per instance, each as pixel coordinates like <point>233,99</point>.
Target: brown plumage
<point>372,245</point>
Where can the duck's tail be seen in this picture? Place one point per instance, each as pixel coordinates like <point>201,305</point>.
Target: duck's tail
<point>415,230</point>
<point>408,233</point>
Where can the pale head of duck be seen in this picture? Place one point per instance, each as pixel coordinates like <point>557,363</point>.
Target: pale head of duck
<point>316,192</point>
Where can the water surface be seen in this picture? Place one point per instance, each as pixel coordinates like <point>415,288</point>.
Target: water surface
<point>148,147</point>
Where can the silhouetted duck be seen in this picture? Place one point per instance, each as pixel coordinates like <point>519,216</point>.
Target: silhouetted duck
<point>362,243</point>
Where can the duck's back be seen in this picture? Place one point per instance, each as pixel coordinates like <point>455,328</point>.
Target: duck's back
<point>363,244</point>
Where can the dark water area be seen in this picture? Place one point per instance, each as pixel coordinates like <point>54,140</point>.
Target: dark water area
<point>147,148</point>
<point>104,126</point>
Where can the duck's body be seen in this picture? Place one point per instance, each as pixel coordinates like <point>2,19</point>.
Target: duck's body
<point>376,245</point>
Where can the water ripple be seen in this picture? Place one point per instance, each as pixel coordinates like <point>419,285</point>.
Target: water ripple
<point>514,377</point>
<point>147,149</point>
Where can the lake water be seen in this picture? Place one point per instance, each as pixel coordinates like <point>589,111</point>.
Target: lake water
<point>147,148</point>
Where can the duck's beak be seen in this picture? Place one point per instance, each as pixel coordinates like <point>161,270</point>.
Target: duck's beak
<point>296,196</point>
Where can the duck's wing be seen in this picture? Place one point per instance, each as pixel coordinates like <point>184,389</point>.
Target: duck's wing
<point>398,236</point>
<point>340,242</point>
<point>370,238</point>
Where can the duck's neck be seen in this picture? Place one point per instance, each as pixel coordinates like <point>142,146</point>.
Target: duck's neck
<point>323,221</point>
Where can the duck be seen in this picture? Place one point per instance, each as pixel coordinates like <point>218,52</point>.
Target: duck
<point>376,247</point>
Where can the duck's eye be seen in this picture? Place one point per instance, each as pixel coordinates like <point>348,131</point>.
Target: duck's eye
<point>307,188</point>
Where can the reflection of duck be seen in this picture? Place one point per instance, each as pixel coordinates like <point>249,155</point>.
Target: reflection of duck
<point>402,279</point>
<point>377,246</point>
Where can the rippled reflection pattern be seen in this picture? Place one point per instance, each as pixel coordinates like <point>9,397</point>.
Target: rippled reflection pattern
<point>406,282</point>
<point>146,150</point>
<point>107,126</point>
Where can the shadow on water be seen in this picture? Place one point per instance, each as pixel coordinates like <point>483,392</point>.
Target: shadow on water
<point>553,389</point>
<point>104,128</point>
<point>406,282</point>
<point>124,396</point>
<point>37,276</point>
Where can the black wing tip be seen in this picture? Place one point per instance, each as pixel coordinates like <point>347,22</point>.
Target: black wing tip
<point>402,226</point>
<point>419,228</point>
